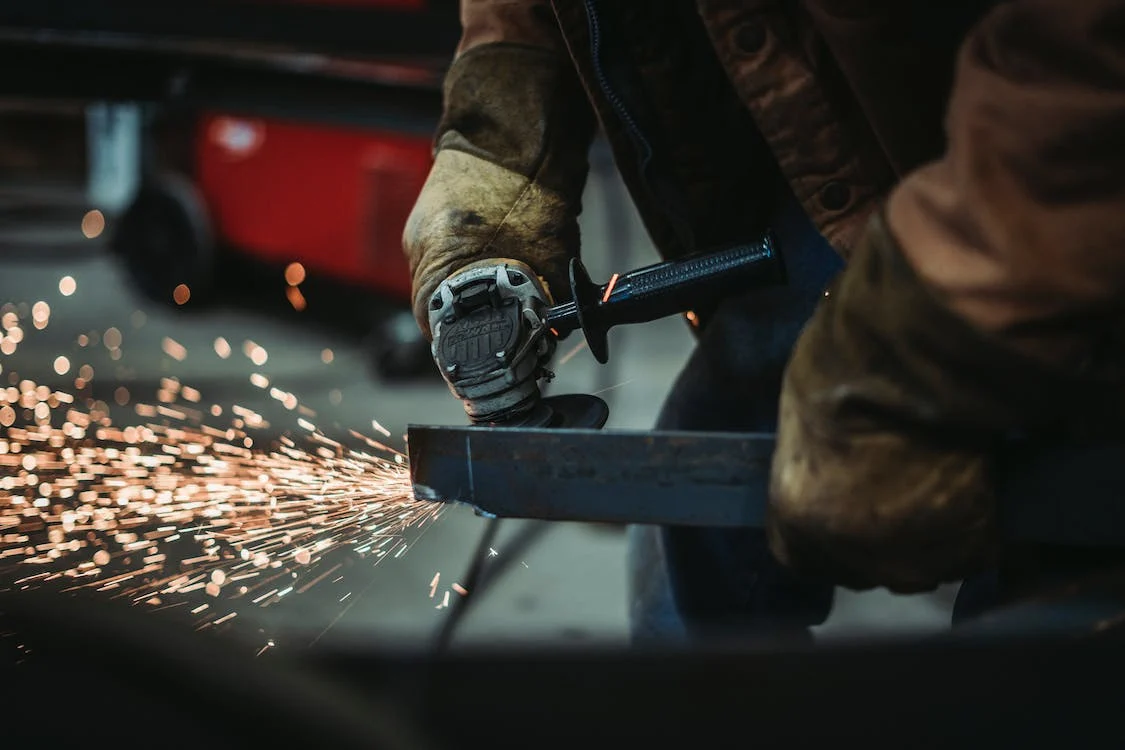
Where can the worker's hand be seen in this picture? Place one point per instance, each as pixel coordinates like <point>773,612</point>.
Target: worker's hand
<point>488,247</point>
<point>471,211</point>
<point>890,409</point>
<point>509,170</point>
<point>995,308</point>
<point>491,236</point>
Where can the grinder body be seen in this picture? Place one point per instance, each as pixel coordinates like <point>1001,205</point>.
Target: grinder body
<point>491,341</point>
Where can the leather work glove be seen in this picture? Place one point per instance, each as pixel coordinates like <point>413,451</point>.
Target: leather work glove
<point>492,233</point>
<point>988,299</point>
<point>508,173</point>
<point>891,410</point>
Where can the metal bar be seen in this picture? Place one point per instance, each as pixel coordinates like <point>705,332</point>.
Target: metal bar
<point>1071,494</point>
<point>694,479</point>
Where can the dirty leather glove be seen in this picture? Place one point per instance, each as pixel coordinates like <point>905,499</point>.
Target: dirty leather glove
<point>508,174</point>
<point>891,410</point>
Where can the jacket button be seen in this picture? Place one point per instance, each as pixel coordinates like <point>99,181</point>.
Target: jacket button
<point>835,196</point>
<point>750,38</point>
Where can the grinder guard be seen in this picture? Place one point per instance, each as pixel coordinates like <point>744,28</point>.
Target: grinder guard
<point>490,340</point>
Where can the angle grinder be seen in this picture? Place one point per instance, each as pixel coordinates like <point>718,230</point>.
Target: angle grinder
<point>494,331</point>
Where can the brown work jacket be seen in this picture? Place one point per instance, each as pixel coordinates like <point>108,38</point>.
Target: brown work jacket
<point>1001,124</point>
<point>847,94</point>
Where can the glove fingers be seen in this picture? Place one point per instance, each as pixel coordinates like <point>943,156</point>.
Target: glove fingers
<point>878,508</point>
<point>890,409</point>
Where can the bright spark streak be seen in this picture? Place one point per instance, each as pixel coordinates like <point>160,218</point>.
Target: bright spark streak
<point>166,513</point>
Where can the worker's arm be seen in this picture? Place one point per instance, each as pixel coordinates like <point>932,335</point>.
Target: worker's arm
<point>510,152</point>
<point>986,299</point>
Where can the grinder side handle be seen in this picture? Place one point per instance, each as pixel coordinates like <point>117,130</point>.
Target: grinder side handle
<point>671,287</point>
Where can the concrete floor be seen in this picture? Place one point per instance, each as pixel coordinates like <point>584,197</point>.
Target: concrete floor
<point>569,588</point>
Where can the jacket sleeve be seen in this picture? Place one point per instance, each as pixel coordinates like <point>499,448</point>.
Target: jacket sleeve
<point>1020,228</point>
<point>510,152</point>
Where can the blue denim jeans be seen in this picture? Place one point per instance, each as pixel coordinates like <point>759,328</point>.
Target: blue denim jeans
<point>699,582</point>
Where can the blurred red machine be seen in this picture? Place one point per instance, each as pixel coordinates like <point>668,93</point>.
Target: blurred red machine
<point>328,193</point>
<point>333,199</point>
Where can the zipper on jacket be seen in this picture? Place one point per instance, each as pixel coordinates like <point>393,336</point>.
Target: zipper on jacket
<point>679,225</point>
<point>607,89</point>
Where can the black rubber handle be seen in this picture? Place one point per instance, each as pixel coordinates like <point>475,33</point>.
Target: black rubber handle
<point>678,285</point>
<point>665,289</point>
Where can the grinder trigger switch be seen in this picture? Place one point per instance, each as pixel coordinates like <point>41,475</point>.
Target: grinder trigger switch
<point>490,339</point>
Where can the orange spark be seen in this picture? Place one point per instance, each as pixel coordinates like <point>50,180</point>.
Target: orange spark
<point>181,294</point>
<point>93,223</point>
<point>609,287</point>
<point>294,274</point>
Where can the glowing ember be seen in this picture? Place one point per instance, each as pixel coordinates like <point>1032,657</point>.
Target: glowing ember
<point>296,299</point>
<point>111,339</point>
<point>62,365</point>
<point>257,355</point>
<point>222,347</point>
<point>326,356</point>
<point>181,294</point>
<point>67,286</point>
<point>40,312</point>
<point>294,274</point>
<point>174,349</point>
<point>93,224</point>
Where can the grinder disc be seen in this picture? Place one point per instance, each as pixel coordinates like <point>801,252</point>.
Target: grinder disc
<point>570,411</point>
